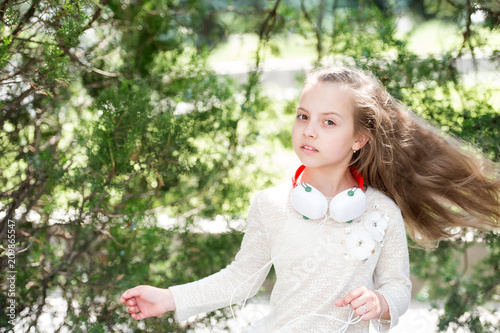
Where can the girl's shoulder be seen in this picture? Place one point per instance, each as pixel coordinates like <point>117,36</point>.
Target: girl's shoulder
<point>274,197</point>
<point>271,204</point>
<point>275,194</point>
<point>378,200</point>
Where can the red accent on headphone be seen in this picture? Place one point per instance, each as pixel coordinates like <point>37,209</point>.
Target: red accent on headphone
<point>297,175</point>
<point>354,172</point>
<point>357,176</point>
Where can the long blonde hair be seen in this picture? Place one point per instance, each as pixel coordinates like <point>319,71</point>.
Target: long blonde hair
<point>437,184</point>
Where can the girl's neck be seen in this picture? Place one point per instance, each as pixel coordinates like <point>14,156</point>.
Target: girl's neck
<point>329,182</point>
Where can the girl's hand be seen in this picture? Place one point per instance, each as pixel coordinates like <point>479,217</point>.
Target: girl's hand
<point>146,301</point>
<point>366,302</point>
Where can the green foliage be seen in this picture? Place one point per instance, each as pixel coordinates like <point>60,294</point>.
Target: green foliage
<point>469,293</point>
<point>111,114</point>
<point>98,135</point>
<point>4,51</point>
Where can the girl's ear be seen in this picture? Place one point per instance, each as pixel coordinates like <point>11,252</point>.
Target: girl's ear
<point>360,142</point>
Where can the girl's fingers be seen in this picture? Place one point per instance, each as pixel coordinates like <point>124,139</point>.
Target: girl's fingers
<point>367,316</point>
<point>361,310</point>
<point>363,301</point>
<point>137,316</point>
<point>131,302</point>
<point>358,302</point>
<point>339,303</point>
<point>134,292</point>
<point>350,297</point>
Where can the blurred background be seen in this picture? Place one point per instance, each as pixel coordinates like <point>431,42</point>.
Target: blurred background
<point>134,134</point>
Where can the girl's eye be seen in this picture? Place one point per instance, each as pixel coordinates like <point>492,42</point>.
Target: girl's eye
<point>302,117</point>
<point>329,122</point>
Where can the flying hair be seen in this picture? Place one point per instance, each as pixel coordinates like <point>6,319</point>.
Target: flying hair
<point>437,183</point>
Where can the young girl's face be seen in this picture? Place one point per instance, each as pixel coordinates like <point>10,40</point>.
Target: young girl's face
<point>323,134</point>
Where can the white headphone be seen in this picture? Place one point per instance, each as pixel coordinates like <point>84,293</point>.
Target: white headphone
<point>312,204</point>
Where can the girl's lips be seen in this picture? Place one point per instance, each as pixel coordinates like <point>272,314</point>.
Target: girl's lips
<point>308,149</point>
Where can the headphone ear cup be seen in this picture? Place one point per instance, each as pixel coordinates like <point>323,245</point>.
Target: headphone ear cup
<point>348,205</point>
<point>309,202</point>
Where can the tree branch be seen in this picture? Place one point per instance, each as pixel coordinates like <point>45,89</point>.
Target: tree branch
<point>467,33</point>
<point>14,106</point>
<point>27,16</point>
<point>317,32</point>
<point>265,30</point>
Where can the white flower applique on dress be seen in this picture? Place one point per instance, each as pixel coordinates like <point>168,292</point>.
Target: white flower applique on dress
<point>360,243</point>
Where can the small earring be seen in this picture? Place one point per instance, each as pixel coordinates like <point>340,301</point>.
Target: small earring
<point>354,152</point>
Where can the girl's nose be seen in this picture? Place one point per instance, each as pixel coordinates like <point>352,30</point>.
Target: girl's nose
<point>310,131</point>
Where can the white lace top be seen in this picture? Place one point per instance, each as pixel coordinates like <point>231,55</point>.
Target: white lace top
<point>316,263</point>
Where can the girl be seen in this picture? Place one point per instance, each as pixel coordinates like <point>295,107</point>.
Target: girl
<point>338,247</point>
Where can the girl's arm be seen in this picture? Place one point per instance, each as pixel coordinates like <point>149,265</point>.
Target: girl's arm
<point>237,282</point>
<point>392,274</point>
<point>240,280</point>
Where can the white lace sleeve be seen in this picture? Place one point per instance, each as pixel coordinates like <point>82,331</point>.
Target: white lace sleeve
<point>392,272</point>
<point>241,279</point>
